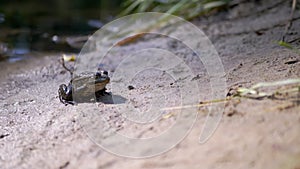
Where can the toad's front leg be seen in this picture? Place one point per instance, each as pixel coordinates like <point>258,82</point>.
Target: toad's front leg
<point>101,93</point>
<point>65,94</point>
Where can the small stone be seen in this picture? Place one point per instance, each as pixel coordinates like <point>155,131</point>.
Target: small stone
<point>292,61</point>
<point>130,87</point>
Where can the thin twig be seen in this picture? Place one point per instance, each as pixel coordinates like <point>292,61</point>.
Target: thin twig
<point>294,40</point>
<point>65,67</point>
<point>201,104</point>
<point>290,21</point>
<point>248,94</point>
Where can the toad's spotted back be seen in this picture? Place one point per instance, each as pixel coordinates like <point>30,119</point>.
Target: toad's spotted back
<point>84,86</point>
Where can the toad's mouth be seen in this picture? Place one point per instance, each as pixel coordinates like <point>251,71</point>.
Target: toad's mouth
<point>101,85</point>
<point>104,80</point>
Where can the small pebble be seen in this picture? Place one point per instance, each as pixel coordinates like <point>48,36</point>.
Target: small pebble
<point>291,62</point>
<point>130,87</point>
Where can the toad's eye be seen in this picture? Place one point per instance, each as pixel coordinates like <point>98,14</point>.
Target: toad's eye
<point>105,72</point>
<point>98,74</point>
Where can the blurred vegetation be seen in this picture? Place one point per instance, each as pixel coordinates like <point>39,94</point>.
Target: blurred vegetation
<point>34,25</point>
<point>185,8</point>
<point>56,15</point>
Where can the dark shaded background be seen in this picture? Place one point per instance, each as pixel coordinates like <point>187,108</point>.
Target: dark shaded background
<point>31,25</point>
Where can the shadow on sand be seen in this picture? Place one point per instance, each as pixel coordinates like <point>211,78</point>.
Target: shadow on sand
<point>111,99</point>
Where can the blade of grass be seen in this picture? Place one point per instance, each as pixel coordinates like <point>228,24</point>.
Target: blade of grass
<point>131,7</point>
<point>214,4</point>
<point>145,6</point>
<point>289,46</point>
<point>276,83</point>
<point>177,7</point>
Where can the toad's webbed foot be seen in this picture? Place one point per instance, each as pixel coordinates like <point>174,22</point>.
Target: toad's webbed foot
<point>101,93</point>
<point>65,94</point>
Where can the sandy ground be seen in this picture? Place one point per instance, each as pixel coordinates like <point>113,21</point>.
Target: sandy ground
<point>37,131</point>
